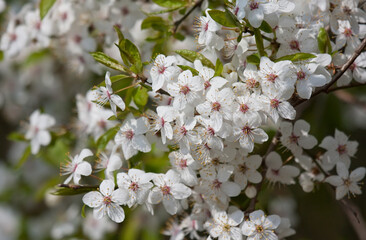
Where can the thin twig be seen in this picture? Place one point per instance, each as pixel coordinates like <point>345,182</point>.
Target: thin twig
<point>339,74</point>
<point>178,22</point>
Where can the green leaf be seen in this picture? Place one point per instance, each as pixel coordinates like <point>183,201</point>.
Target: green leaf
<point>73,190</point>
<point>1,55</point>
<point>171,3</point>
<point>226,18</point>
<point>296,57</point>
<point>179,36</point>
<point>141,97</point>
<point>83,211</point>
<point>166,11</point>
<point>259,42</point>
<point>106,137</point>
<point>265,27</point>
<point>108,61</point>
<point>45,6</point>
<point>24,157</point>
<point>154,22</point>
<point>119,33</point>
<point>254,59</point>
<point>17,137</point>
<point>184,67</point>
<point>35,57</point>
<point>192,55</point>
<point>135,56</point>
<point>324,44</point>
<point>219,67</point>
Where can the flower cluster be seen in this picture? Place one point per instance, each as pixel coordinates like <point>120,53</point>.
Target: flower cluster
<point>214,121</point>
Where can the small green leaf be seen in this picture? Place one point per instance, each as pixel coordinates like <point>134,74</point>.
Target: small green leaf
<point>1,55</point>
<point>171,3</point>
<point>226,18</point>
<point>154,22</point>
<point>296,57</point>
<point>179,36</point>
<point>45,6</point>
<point>108,61</point>
<point>73,190</point>
<point>83,211</point>
<point>184,67</point>
<point>259,42</point>
<point>324,44</point>
<point>17,137</point>
<point>192,55</point>
<point>165,11</point>
<point>24,157</point>
<point>35,57</point>
<point>141,97</point>
<point>119,33</point>
<point>219,67</point>
<point>265,27</point>
<point>106,137</point>
<point>135,56</point>
<point>254,59</point>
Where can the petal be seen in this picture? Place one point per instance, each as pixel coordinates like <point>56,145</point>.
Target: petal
<point>83,168</point>
<point>93,199</point>
<point>358,174</point>
<point>118,101</point>
<point>171,205</point>
<point>120,196</point>
<point>342,170</point>
<point>83,154</point>
<point>106,187</point>
<point>231,189</point>
<point>334,180</point>
<point>115,212</point>
<point>180,191</point>
<point>141,143</point>
<point>341,191</point>
<point>272,222</point>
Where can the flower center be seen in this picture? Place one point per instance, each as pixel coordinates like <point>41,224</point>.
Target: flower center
<point>217,183</point>
<point>347,32</point>
<point>125,11</point>
<point>183,163</point>
<point>211,131</point>
<point>185,89</point>
<point>301,75</point>
<point>226,228</point>
<point>216,106</point>
<point>276,172</point>
<point>347,182</point>
<point>206,27</point>
<point>243,108</point>
<point>165,190</point>
<point>129,134</point>
<point>253,5</point>
<point>259,228</point>
<point>353,66</point>
<point>77,39</point>
<point>64,16</point>
<point>246,130</point>
<point>271,77</point>
<point>134,186</point>
<point>236,11</point>
<point>295,45</point>
<point>274,103</point>
<point>13,37</point>
<point>243,168</point>
<point>207,84</point>
<point>107,200</point>
<point>251,82</point>
<point>215,161</point>
<point>293,138</point>
<point>161,69</point>
<point>162,122</point>
<point>315,171</point>
<point>342,149</point>
<point>183,131</point>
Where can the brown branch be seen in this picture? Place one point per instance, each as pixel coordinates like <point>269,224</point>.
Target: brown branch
<point>354,216</point>
<point>339,74</point>
<point>352,85</point>
<point>178,22</point>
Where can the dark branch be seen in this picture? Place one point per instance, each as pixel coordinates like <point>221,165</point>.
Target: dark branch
<point>178,22</point>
